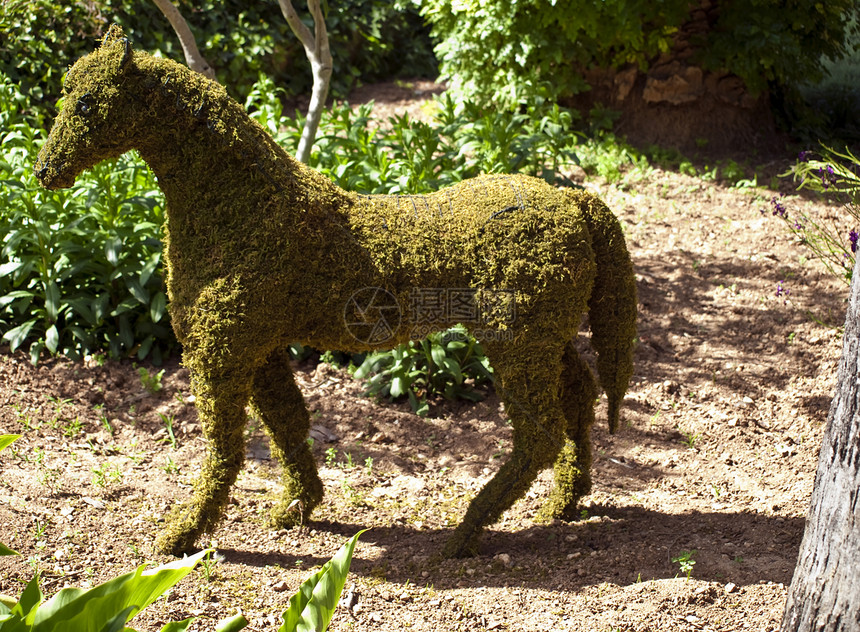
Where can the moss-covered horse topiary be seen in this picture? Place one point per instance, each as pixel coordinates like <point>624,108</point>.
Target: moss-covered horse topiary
<point>262,251</point>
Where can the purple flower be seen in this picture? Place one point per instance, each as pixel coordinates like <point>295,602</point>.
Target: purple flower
<point>828,177</point>
<point>778,208</point>
<point>798,225</point>
<point>853,236</point>
<point>781,290</point>
<point>803,156</point>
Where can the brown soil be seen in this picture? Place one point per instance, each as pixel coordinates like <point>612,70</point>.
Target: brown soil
<point>723,422</point>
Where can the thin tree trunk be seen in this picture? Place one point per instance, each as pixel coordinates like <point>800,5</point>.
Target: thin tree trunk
<point>825,589</point>
<point>319,55</point>
<point>193,58</point>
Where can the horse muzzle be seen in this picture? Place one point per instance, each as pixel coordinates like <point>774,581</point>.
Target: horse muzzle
<point>50,176</point>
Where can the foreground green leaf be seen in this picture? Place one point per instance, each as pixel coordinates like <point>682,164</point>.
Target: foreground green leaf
<point>312,608</point>
<point>117,600</point>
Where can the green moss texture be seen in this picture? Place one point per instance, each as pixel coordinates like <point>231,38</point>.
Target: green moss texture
<point>262,251</point>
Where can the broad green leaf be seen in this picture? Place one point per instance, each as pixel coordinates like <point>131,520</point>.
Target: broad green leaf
<point>113,247</point>
<point>52,338</point>
<point>158,307</point>
<point>312,608</point>
<point>17,335</point>
<point>6,440</point>
<point>5,550</point>
<point>141,294</point>
<point>178,626</point>
<point>437,352</point>
<point>27,605</point>
<point>14,296</point>
<point>89,610</point>
<point>52,300</point>
<point>117,623</point>
<point>399,385</point>
<point>232,624</point>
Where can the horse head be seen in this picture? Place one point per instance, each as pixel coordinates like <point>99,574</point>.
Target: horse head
<point>96,121</point>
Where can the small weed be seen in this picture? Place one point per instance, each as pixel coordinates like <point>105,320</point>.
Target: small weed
<point>368,465</point>
<point>168,423</point>
<point>39,533</point>
<point>105,422</point>
<point>23,418</point>
<point>348,464</point>
<point>59,405</point>
<point>686,562</point>
<point>691,438</point>
<point>105,475</point>
<point>73,428</point>
<point>208,564</point>
<point>151,381</point>
<point>170,466</point>
<point>330,457</point>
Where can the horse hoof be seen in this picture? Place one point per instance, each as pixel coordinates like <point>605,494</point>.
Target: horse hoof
<point>459,547</point>
<point>176,544</point>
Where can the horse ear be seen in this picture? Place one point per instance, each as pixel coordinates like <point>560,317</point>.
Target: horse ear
<point>116,37</point>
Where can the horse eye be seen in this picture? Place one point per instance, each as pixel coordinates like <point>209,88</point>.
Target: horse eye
<point>83,106</point>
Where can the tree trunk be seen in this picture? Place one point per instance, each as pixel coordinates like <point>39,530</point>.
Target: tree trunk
<point>825,590</point>
<point>319,55</point>
<point>193,58</point>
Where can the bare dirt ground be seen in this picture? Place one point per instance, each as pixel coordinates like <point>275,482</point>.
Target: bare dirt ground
<point>722,426</point>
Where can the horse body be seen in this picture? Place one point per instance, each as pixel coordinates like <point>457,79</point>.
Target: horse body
<point>261,250</point>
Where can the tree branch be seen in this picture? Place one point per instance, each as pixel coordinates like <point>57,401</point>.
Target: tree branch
<point>193,58</point>
<point>318,52</point>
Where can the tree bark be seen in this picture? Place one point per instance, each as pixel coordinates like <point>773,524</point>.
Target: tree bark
<point>193,58</point>
<point>319,55</point>
<point>825,589</point>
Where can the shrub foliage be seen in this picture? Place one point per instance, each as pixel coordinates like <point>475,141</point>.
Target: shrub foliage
<point>511,49</point>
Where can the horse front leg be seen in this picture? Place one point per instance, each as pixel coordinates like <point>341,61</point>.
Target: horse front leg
<point>221,397</point>
<point>279,402</point>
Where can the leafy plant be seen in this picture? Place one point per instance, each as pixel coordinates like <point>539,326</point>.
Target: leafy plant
<point>369,39</point>
<point>151,380</point>
<point>836,176</point>
<point>439,364</point>
<point>313,606</point>
<point>5,441</point>
<point>106,607</point>
<point>686,562</point>
<point>79,268</point>
<point>502,51</point>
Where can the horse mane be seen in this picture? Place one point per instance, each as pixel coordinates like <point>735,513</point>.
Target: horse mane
<point>163,86</point>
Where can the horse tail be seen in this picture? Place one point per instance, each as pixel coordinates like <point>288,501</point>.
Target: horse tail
<point>612,304</point>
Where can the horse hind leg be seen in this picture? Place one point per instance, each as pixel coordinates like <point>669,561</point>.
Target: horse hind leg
<point>221,400</point>
<point>573,467</point>
<point>530,393</point>
<point>281,407</point>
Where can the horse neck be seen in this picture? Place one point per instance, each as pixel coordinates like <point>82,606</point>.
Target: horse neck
<point>197,139</point>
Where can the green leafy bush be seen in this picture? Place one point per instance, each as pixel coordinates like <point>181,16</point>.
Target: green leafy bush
<point>41,39</point>
<point>511,50</point>
<point>370,40</point>
<point>80,269</point>
<point>440,364</point>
